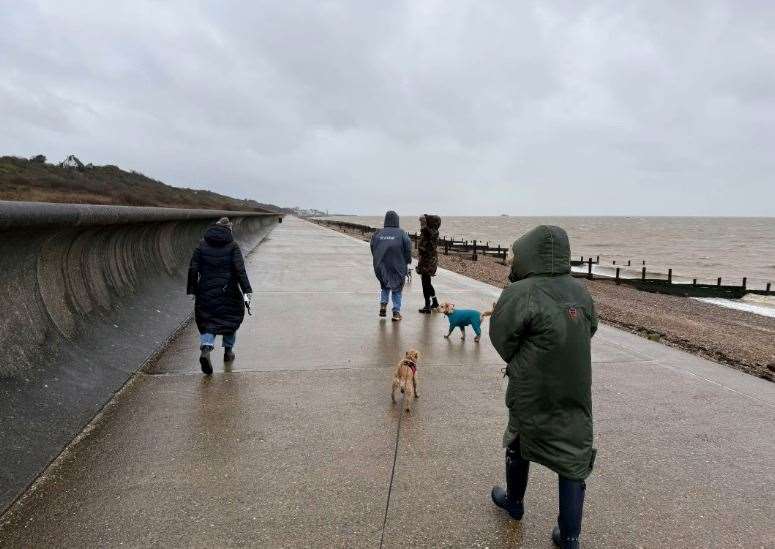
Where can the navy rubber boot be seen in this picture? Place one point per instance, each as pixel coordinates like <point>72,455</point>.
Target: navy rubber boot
<point>566,534</point>
<point>228,355</point>
<point>204,359</point>
<point>510,499</point>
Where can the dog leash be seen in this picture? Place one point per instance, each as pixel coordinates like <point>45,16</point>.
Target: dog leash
<point>392,475</point>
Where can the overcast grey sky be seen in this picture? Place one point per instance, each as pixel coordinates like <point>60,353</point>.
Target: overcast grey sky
<point>467,107</point>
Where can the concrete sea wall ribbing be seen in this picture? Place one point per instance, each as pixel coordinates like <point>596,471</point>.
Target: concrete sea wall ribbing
<point>88,293</point>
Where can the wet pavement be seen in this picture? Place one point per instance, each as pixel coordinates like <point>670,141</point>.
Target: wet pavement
<point>295,444</point>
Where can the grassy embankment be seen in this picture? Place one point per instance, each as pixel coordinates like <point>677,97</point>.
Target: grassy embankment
<point>35,181</point>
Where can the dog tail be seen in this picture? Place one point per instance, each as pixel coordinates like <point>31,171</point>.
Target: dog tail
<point>488,313</point>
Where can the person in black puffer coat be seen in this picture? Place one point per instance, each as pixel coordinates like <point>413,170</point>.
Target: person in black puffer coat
<point>220,285</point>
<point>428,260</point>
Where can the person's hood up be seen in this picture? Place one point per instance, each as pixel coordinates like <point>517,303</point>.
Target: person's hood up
<point>432,221</point>
<point>544,250</point>
<point>218,235</point>
<point>391,219</point>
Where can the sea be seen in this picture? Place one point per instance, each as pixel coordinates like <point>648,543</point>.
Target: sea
<point>694,247</point>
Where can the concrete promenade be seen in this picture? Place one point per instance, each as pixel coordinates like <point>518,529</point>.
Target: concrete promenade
<point>295,444</point>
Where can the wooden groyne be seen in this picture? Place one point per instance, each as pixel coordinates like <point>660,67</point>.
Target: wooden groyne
<point>656,284</point>
<point>450,245</point>
<point>667,285</point>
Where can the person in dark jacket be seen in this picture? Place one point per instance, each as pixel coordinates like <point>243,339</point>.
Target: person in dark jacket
<point>428,260</point>
<point>542,327</point>
<point>220,285</point>
<point>391,251</point>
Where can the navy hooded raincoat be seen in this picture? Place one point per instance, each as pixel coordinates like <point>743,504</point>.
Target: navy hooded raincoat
<point>391,250</point>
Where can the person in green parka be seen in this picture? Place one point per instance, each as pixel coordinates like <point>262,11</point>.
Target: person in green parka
<point>542,327</point>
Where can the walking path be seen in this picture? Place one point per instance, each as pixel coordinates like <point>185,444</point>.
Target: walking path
<point>296,444</point>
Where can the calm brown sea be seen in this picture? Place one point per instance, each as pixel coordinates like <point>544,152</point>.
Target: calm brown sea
<point>701,247</point>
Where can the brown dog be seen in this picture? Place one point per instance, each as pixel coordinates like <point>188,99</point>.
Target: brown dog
<point>405,379</point>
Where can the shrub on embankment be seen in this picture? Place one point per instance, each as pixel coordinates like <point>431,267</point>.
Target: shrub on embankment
<point>36,181</point>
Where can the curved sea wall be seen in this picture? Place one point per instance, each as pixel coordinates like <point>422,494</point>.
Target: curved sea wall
<point>88,294</point>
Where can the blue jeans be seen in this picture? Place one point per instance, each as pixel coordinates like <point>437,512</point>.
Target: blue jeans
<point>209,339</point>
<point>384,296</point>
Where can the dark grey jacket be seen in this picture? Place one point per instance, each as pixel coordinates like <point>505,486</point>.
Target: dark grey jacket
<point>391,250</point>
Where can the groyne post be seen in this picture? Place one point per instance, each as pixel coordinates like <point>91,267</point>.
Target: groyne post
<point>617,275</point>
<point>473,257</point>
<point>643,273</point>
<point>718,281</point>
<point>745,281</point>
<point>589,269</point>
<point>694,282</point>
<point>670,276</point>
<point>768,287</point>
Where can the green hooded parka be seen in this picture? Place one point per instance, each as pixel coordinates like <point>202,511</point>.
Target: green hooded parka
<point>542,327</point>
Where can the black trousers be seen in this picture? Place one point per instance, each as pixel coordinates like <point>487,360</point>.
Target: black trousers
<point>427,289</point>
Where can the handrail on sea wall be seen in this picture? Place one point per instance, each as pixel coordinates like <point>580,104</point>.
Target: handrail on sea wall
<point>41,214</point>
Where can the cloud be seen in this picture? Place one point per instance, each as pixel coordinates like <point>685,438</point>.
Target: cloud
<point>463,107</point>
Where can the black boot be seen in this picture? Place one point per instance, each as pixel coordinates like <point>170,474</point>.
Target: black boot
<point>566,534</point>
<point>228,355</point>
<point>510,499</point>
<point>426,310</point>
<point>434,303</point>
<point>204,359</point>
<point>383,309</point>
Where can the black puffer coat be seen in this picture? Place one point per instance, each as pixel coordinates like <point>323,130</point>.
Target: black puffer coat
<point>216,276</point>
<point>428,260</point>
